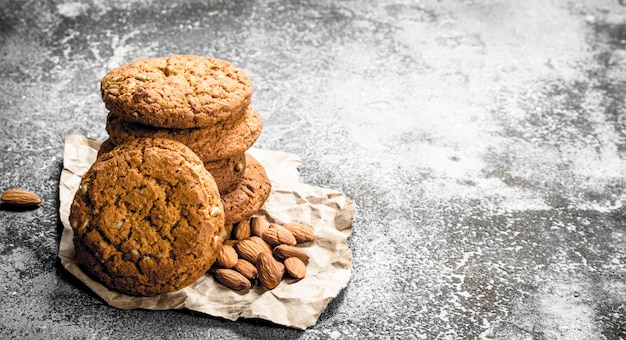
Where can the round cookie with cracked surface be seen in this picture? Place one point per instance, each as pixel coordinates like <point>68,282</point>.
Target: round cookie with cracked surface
<point>178,91</point>
<point>147,218</point>
<point>213,143</point>
<point>249,195</point>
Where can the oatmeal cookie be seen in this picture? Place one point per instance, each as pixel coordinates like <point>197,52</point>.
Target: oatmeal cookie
<point>147,218</point>
<point>178,91</point>
<point>210,143</point>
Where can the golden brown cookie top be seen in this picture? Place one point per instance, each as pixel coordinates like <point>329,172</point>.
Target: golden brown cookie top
<point>147,217</point>
<point>210,143</point>
<point>178,91</point>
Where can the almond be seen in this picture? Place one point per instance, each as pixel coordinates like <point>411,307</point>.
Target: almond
<point>277,234</point>
<point>258,225</point>
<point>232,279</point>
<point>302,232</point>
<point>266,247</point>
<point>246,269</point>
<point>227,257</point>
<point>242,230</point>
<point>284,251</point>
<point>270,271</point>
<point>19,197</point>
<point>295,267</point>
<point>249,249</point>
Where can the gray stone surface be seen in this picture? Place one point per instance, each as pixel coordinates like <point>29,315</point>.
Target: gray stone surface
<point>484,143</point>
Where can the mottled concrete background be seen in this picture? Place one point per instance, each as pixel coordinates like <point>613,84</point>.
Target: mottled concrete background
<point>483,141</point>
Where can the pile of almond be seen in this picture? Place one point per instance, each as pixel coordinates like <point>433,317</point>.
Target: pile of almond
<point>261,251</point>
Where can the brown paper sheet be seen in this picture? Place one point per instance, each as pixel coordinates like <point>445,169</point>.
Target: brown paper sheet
<point>292,304</point>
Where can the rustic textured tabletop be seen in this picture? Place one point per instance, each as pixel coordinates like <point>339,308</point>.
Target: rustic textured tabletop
<point>483,143</point>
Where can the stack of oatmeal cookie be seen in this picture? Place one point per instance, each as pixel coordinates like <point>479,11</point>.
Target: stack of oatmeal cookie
<point>201,102</point>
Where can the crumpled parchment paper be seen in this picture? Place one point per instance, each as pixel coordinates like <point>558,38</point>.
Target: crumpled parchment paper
<point>296,304</point>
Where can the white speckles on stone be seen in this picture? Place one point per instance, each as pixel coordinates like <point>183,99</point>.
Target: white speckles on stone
<point>72,9</point>
<point>563,313</point>
<point>334,334</point>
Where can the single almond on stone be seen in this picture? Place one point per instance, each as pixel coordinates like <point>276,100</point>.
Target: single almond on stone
<point>242,230</point>
<point>258,225</point>
<point>270,271</point>
<point>246,269</point>
<point>295,267</point>
<point>277,234</point>
<point>302,232</point>
<point>227,257</point>
<point>18,197</point>
<point>232,279</point>
<point>284,251</point>
<point>249,249</point>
